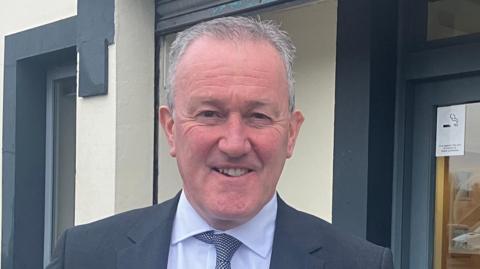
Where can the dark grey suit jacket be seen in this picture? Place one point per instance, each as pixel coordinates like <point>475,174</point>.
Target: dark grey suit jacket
<point>140,239</point>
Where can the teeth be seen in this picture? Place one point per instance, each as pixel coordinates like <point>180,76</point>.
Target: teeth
<point>233,172</point>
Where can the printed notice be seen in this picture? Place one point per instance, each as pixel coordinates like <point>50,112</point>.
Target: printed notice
<point>450,131</point>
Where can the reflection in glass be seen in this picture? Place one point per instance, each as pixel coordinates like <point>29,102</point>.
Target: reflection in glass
<point>450,18</point>
<point>64,155</point>
<point>457,214</point>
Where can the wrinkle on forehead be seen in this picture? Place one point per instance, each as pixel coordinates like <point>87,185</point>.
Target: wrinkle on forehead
<point>207,50</point>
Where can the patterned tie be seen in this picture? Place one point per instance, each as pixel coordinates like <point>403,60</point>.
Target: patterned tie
<point>225,245</point>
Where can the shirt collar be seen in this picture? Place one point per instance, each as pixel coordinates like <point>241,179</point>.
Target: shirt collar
<point>256,234</point>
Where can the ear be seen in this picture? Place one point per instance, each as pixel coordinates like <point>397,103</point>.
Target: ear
<point>167,122</point>
<point>296,120</point>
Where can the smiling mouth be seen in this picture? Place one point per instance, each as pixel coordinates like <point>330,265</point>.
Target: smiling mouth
<point>232,172</point>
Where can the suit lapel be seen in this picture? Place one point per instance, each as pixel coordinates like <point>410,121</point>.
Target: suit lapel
<point>150,239</point>
<point>294,245</point>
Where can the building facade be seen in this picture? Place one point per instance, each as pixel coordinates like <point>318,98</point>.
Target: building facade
<point>82,81</point>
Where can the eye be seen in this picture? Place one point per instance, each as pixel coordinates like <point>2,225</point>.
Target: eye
<point>259,119</point>
<point>209,114</point>
<point>209,117</point>
<point>260,116</point>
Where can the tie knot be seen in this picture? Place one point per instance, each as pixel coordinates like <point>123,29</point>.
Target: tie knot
<point>225,245</point>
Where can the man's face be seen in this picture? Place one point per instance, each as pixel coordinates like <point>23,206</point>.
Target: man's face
<point>231,130</point>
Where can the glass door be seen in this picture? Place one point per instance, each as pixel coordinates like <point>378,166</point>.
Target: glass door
<point>441,182</point>
<point>457,195</point>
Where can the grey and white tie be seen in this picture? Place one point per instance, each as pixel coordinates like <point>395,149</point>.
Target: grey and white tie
<point>225,245</point>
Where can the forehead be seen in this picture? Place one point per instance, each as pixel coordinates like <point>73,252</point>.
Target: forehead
<point>247,63</point>
<point>246,53</point>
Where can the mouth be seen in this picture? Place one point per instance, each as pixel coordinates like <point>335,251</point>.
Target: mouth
<point>232,172</point>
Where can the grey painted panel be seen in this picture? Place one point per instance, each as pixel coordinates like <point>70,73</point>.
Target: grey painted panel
<point>95,29</point>
<point>8,202</point>
<point>364,114</point>
<point>9,106</point>
<point>30,165</point>
<point>53,36</point>
<point>95,20</point>
<point>8,156</point>
<point>443,61</point>
<point>422,185</point>
<point>381,119</point>
<point>93,77</point>
<point>352,95</point>
<point>401,197</point>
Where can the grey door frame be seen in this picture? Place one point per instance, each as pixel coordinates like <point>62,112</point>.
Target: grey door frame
<point>418,190</point>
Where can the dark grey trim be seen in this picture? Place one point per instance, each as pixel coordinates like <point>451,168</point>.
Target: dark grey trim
<point>364,115</point>
<point>28,55</point>
<point>416,23</point>
<point>166,9</point>
<point>95,31</point>
<point>401,102</point>
<point>156,119</point>
<point>172,16</point>
<point>443,61</point>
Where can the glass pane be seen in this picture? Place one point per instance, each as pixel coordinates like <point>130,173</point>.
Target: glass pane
<point>457,214</point>
<point>449,18</point>
<point>64,156</point>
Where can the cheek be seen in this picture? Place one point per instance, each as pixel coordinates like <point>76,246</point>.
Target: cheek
<point>270,145</point>
<point>272,150</point>
<point>195,139</point>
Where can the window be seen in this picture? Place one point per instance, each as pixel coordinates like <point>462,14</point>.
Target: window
<point>450,18</point>
<point>60,156</point>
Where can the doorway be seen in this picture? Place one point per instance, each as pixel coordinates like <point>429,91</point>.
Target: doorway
<point>440,192</point>
<point>457,190</point>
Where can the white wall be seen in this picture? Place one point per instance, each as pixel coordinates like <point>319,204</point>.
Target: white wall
<point>306,182</point>
<point>19,15</point>
<point>135,27</point>
<point>95,170</point>
<point>115,132</point>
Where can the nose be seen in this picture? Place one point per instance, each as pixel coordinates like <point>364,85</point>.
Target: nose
<point>235,142</point>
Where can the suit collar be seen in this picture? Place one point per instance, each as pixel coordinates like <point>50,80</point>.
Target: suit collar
<point>150,238</point>
<point>297,243</point>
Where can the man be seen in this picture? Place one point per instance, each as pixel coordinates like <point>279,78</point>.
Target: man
<point>231,123</point>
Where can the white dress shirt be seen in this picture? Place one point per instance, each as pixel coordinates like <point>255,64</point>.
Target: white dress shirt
<point>187,252</point>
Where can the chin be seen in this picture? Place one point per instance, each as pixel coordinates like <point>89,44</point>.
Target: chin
<point>228,220</point>
<point>235,214</point>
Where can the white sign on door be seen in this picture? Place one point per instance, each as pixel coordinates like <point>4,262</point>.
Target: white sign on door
<point>450,131</point>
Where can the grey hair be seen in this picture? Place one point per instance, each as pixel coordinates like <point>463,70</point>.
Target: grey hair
<point>234,29</point>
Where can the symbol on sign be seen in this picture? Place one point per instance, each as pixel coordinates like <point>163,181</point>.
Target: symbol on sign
<point>454,119</point>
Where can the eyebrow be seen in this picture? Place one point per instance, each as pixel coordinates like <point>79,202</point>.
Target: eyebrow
<point>257,103</point>
<point>219,103</point>
<point>250,105</point>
